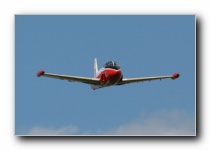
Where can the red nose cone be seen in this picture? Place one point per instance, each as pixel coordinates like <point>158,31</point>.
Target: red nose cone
<point>175,75</point>
<point>40,73</point>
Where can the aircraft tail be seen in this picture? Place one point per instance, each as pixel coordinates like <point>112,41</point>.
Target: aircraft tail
<point>95,67</point>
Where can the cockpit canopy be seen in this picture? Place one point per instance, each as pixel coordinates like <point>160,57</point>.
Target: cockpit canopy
<point>112,65</point>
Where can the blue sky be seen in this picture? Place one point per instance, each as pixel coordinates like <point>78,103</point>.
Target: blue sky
<point>143,45</point>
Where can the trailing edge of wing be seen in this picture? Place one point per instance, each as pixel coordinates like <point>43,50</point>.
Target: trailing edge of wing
<point>86,80</point>
<point>132,80</point>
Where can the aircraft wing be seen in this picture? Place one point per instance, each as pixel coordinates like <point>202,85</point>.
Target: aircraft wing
<point>132,80</point>
<point>93,81</point>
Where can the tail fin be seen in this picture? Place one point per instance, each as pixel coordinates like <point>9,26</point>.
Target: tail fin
<point>95,67</point>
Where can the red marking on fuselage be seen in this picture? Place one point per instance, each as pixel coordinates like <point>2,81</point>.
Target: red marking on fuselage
<point>110,76</point>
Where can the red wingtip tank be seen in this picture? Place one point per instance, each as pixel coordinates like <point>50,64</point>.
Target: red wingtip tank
<point>175,76</point>
<point>40,73</point>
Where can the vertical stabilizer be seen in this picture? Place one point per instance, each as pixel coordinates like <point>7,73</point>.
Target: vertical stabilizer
<point>95,67</point>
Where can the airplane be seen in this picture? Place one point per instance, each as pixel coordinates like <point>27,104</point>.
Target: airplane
<point>110,74</point>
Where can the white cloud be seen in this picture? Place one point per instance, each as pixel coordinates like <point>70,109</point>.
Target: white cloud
<point>163,122</point>
<point>159,123</point>
<point>68,130</point>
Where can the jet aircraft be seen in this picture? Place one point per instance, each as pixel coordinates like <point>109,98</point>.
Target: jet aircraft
<point>110,74</point>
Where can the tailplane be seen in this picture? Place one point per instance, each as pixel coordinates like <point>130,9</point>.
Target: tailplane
<point>95,67</point>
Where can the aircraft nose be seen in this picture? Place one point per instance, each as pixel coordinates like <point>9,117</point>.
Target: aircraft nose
<point>118,74</point>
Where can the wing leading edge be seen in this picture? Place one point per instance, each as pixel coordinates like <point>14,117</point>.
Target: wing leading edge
<point>93,81</point>
<point>132,80</point>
